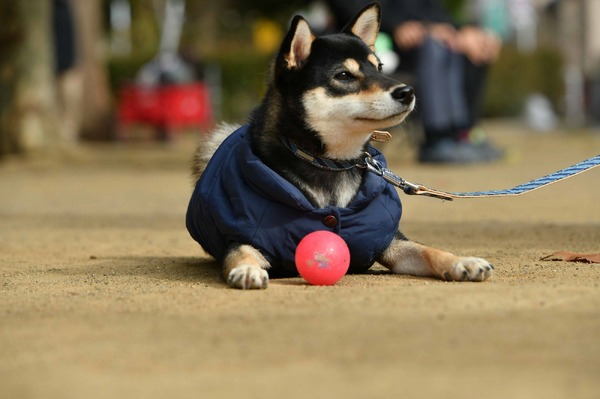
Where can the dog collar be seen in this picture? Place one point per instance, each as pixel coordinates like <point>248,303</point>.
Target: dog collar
<point>366,162</point>
<point>322,163</point>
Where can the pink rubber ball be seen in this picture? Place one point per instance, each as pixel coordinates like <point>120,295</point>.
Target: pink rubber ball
<point>322,258</point>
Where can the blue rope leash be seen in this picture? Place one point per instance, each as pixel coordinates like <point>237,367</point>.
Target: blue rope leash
<point>418,189</point>
<point>373,166</point>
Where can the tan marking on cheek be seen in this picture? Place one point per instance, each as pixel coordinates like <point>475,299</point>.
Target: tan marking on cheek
<point>373,60</point>
<point>373,91</point>
<point>315,100</point>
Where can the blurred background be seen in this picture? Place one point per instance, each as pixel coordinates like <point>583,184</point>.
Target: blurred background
<point>73,70</point>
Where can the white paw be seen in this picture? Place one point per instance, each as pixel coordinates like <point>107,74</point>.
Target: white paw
<point>470,269</point>
<point>248,277</point>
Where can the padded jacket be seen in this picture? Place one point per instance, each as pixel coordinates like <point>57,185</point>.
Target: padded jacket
<point>241,200</point>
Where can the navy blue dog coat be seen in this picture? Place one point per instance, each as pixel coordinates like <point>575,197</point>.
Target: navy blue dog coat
<point>239,199</point>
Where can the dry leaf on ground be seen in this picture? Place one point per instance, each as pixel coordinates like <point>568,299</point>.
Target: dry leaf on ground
<point>566,256</point>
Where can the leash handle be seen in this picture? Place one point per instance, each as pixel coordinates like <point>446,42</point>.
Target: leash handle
<point>417,189</point>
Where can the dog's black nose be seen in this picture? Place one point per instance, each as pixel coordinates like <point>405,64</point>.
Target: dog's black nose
<point>404,94</point>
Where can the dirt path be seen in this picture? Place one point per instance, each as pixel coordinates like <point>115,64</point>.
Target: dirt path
<point>104,295</point>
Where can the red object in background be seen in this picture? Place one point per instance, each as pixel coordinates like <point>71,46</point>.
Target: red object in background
<point>168,107</point>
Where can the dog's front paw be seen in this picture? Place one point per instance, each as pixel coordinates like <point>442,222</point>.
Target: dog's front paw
<point>248,277</point>
<point>469,269</point>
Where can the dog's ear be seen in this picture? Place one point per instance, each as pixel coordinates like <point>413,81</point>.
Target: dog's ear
<point>365,24</point>
<point>297,44</point>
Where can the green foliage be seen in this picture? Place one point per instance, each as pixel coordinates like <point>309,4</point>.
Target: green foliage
<point>269,8</point>
<point>516,75</point>
<point>456,8</point>
<point>144,29</point>
<point>244,76</point>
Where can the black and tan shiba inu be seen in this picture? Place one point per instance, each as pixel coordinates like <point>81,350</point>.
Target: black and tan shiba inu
<point>296,167</point>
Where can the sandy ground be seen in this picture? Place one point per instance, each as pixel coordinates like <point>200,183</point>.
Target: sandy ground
<point>104,295</point>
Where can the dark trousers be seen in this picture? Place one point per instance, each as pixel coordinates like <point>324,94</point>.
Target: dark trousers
<point>449,90</point>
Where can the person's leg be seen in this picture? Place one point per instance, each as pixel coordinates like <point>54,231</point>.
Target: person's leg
<point>440,82</point>
<point>474,84</point>
<point>450,90</point>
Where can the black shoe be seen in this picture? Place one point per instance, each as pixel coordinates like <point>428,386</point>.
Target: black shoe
<point>459,152</point>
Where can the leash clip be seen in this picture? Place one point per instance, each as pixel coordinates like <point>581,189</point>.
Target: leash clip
<point>374,166</point>
<point>371,164</point>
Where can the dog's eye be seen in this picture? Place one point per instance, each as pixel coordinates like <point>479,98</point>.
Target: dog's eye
<point>344,76</point>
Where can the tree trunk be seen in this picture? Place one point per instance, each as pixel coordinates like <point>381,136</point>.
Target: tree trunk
<point>28,104</point>
<point>38,109</point>
<point>96,106</point>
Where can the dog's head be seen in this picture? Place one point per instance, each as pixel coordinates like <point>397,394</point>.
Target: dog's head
<point>337,85</point>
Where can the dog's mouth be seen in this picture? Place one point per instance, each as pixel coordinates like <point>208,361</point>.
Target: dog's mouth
<point>383,120</point>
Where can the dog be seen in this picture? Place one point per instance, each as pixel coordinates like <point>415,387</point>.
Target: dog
<point>296,166</point>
